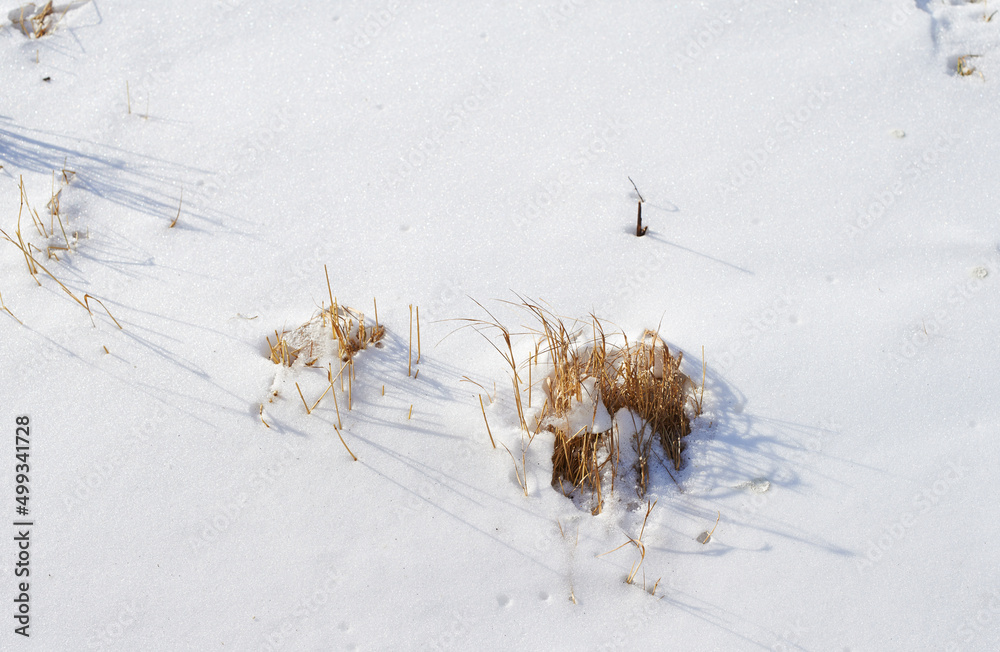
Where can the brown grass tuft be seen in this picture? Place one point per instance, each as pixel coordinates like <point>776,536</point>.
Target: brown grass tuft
<point>580,460</point>
<point>642,377</point>
<point>647,380</point>
<point>36,24</point>
<point>28,249</point>
<point>586,374</point>
<point>339,325</point>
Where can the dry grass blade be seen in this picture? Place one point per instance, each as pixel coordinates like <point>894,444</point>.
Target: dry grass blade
<point>345,444</point>
<point>4,306</point>
<point>329,378</point>
<point>530,365</point>
<point>21,22</point>
<point>55,212</point>
<point>488,431</point>
<point>308,411</point>
<point>19,243</point>
<point>32,262</point>
<point>706,536</point>
<point>329,290</point>
<point>520,408</point>
<point>87,298</point>
<point>346,326</point>
<point>508,356</point>
<point>334,330</point>
<point>178,216</point>
<point>42,25</point>
<point>336,404</point>
<point>466,379</point>
<point>39,226</point>
<point>523,483</point>
<point>639,545</point>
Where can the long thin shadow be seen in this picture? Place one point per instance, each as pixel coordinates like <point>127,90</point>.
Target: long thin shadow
<point>660,238</point>
<point>136,181</point>
<point>715,615</point>
<point>673,208</point>
<point>441,508</point>
<point>924,5</point>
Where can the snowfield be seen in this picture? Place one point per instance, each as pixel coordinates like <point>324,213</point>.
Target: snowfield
<point>819,185</point>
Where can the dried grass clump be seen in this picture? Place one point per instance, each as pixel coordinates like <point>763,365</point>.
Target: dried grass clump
<point>587,380</point>
<point>346,327</point>
<point>28,249</point>
<point>580,460</point>
<point>334,331</point>
<point>36,23</point>
<point>647,379</point>
<point>337,329</point>
<point>643,378</point>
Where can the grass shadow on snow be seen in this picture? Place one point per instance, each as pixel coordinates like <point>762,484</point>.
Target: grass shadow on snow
<point>742,460</point>
<point>135,181</point>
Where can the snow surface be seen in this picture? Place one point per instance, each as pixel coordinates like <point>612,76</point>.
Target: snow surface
<point>820,191</point>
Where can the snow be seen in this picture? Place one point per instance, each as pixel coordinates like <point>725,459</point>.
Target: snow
<point>820,194</point>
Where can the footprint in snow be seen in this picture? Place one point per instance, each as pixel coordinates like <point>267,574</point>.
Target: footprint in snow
<point>757,485</point>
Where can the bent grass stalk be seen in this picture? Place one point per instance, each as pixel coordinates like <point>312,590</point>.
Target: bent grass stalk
<point>329,378</point>
<point>32,263</point>
<point>4,306</point>
<point>333,311</point>
<point>345,444</point>
<point>308,411</point>
<point>178,216</point>
<point>706,536</point>
<point>488,431</point>
<point>336,406</point>
<point>39,226</point>
<point>523,483</point>
<point>638,543</point>
<point>87,298</point>
<point>54,211</point>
